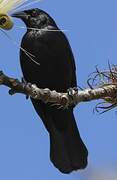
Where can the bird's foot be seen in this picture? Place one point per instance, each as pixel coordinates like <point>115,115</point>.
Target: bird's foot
<point>25,84</point>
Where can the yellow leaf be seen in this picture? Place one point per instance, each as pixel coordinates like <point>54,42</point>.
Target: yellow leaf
<point>8,5</point>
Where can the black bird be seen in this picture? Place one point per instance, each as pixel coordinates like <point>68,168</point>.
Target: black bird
<point>56,71</point>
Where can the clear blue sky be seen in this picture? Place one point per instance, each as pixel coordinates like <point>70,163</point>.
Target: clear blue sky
<point>24,143</point>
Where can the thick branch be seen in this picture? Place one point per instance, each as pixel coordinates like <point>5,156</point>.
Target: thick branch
<point>54,97</point>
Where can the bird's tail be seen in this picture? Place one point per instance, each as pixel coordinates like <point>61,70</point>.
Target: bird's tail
<point>67,150</point>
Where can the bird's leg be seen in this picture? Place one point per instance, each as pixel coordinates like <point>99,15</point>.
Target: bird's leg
<point>25,84</point>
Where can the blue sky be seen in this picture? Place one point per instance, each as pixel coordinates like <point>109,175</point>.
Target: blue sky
<point>24,142</point>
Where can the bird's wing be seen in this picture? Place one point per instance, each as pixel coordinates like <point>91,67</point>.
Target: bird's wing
<point>53,52</point>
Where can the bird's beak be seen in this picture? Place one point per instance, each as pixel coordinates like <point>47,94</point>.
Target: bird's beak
<point>21,15</point>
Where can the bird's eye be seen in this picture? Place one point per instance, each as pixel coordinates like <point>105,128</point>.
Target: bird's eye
<point>34,13</point>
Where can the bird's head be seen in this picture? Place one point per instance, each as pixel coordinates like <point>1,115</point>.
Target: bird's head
<point>35,18</point>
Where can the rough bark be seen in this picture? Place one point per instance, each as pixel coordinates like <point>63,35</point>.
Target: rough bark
<point>63,99</point>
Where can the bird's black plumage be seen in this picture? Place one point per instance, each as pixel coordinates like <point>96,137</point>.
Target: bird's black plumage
<point>56,72</point>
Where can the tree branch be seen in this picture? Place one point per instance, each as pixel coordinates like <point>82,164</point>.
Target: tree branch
<point>63,99</point>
